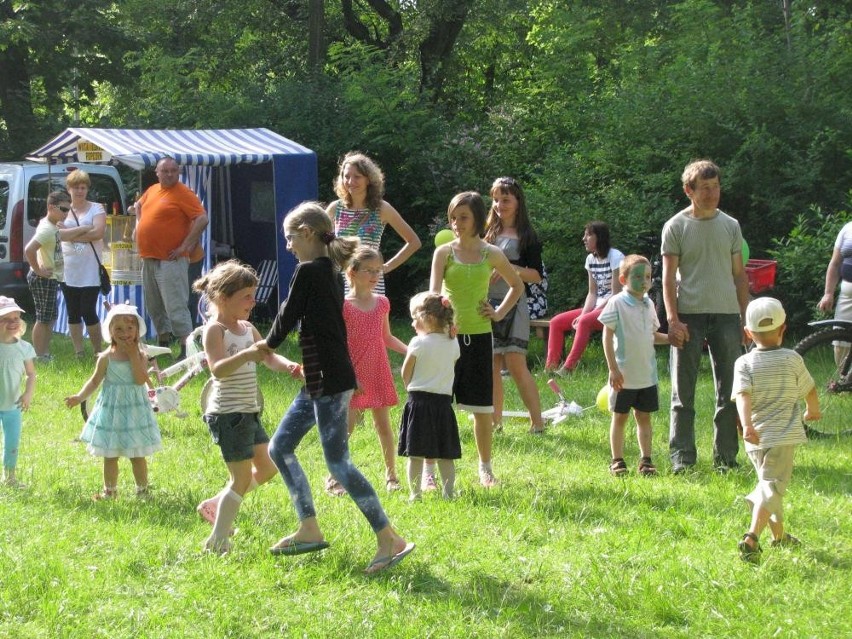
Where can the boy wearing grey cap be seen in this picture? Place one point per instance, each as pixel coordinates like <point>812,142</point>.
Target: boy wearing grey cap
<point>769,383</point>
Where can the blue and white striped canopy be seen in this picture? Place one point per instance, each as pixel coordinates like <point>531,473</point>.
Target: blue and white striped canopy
<point>141,148</point>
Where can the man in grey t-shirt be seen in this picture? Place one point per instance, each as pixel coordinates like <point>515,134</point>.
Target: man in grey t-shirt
<point>705,290</point>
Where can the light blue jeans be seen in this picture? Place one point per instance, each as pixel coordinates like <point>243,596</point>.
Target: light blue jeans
<point>329,413</point>
<point>723,333</point>
<point>11,422</point>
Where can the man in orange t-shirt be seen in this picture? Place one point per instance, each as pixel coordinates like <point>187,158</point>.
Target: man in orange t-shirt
<point>169,221</point>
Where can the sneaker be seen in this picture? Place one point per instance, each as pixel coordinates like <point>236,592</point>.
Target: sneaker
<point>428,482</point>
<point>487,479</point>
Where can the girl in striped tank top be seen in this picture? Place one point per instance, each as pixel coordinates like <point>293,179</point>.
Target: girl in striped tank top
<point>361,212</point>
<point>232,411</point>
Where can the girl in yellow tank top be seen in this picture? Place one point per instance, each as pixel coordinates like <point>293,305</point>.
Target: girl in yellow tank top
<point>461,270</point>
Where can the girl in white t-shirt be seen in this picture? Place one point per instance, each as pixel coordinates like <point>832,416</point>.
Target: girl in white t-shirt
<point>429,427</point>
<point>602,265</point>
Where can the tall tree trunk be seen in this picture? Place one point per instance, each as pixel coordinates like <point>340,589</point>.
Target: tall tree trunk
<point>436,49</point>
<point>316,43</point>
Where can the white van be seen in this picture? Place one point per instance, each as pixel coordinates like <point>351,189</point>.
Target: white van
<point>24,187</point>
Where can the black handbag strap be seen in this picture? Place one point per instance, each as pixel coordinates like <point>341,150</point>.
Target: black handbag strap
<point>90,243</point>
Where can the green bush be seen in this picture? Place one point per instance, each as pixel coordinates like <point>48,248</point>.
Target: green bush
<point>802,257</point>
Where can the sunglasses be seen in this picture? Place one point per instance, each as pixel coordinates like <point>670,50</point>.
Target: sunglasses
<point>64,209</point>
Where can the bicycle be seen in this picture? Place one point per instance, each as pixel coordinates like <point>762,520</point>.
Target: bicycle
<point>828,357</point>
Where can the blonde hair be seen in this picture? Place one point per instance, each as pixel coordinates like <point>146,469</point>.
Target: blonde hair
<point>369,169</point>
<point>432,308</point>
<point>630,261</point>
<point>226,279</point>
<point>77,177</point>
<point>312,216</point>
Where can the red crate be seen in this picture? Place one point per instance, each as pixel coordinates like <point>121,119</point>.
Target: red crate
<point>761,274</point>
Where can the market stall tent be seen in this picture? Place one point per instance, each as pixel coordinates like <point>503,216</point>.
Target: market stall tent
<point>247,179</point>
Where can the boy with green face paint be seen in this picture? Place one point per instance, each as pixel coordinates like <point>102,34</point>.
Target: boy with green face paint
<point>631,329</point>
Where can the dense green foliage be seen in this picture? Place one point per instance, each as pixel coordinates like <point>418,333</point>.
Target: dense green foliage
<point>594,106</point>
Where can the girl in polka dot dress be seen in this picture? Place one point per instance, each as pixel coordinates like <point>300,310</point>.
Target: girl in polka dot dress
<point>368,335</point>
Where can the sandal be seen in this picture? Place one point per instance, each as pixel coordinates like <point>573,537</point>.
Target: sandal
<point>334,487</point>
<point>750,554</point>
<point>646,468</point>
<point>106,493</point>
<point>618,467</point>
<point>786,541</point>
<point>392,485</point>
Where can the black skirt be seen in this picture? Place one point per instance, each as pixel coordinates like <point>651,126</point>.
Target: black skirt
<point>429,427</point>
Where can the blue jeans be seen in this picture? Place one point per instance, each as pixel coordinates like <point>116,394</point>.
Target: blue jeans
<point>723,333</point>
<point>11,423</point>
<point>329,413</point>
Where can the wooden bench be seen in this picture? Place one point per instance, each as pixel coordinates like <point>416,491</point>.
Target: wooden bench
<point>541,328</point>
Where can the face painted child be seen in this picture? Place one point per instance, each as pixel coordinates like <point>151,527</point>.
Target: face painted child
<point>637,282</point>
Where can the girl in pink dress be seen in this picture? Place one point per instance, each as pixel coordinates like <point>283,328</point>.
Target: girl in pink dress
<point>368,335</point>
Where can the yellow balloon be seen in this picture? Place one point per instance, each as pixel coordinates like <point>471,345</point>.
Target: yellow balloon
<point>443,236</point>
<point>602,400</point>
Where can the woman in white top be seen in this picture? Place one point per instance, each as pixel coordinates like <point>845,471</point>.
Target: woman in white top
<point>82,279</point>
<point>602,261</point>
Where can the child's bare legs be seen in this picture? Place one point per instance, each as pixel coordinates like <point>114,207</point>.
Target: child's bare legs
<point>140,474</point>
<point>517,365</point>
<point>264,470</point>
<point>448,477</point>
<point>110,476</point>
<point>616,434</point>
<point>482,433</point>
<point>414,472</point>
<point>381,421</point>
<point>643,432</point>
<point>229,505</point>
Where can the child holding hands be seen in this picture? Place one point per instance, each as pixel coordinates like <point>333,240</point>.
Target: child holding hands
<point>769,383</point>
<point>429,426</point>
<point>17,361</point>
<point>631,329</point>
<point>232,410</point>
<point>315,305</point>
<point>122,422</point>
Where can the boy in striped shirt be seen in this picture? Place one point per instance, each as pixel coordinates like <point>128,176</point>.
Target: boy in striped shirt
<point>769,383</point>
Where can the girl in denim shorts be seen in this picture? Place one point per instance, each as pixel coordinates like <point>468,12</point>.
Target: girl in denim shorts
<point>233,407</point>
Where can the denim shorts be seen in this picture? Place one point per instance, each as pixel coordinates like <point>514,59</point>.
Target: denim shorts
<point>236,434</point>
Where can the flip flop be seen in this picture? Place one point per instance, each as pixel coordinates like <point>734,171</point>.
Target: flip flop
<point>383,563</point>
<point>291,547</point>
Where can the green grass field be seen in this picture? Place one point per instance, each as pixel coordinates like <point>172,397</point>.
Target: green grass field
<point>560,549</point>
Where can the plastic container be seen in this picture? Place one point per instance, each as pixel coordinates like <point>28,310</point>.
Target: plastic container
<point>761,275</point>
